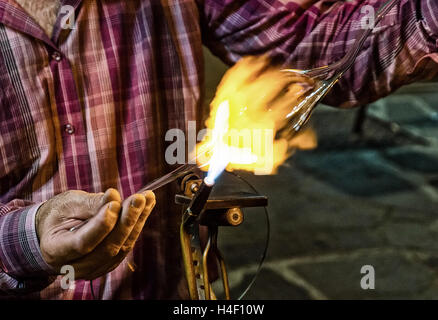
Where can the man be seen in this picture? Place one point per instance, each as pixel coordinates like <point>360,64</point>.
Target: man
<point>84,111</point>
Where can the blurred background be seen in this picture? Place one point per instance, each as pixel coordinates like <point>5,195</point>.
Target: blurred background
<point>367,195</point>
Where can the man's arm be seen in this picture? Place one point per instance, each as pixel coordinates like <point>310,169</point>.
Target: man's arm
<point>92,232</point>
<point>22,268</point>
<point>307,33</point>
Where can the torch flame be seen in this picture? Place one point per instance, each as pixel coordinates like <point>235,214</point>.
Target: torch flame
<point>251,106</point>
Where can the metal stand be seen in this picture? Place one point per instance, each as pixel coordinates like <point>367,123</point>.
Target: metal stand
<point>217,211</point>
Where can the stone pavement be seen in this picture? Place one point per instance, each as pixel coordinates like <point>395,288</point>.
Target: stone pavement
<point>353,201</point>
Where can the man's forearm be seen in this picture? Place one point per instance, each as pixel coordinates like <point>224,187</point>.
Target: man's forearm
<point>402,48</point>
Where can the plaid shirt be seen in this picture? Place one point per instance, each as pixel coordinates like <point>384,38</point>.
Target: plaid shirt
<point>89,107</point>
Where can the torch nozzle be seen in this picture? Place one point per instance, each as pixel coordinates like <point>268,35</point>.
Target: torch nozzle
<point>200,198</point>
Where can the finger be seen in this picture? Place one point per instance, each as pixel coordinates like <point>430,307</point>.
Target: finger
<point>131,240</point>
<point>125,248</point>
<point>110,246</point>
<point>135,233</point>
<point>131,212</point>
<point>72,245</point>
<point>150,199</point>
<point>111,252</point>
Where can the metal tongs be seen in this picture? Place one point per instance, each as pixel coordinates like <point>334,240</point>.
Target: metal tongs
<point>326,77</point>
<point>168,178</point>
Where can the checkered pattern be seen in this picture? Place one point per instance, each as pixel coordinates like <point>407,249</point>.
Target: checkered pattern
<point>88,108</point>
<point>429,12</point>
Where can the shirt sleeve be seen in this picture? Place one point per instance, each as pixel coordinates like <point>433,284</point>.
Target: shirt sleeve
<point>429,12</point>
<point>306,34</point>
<point>22,267</point>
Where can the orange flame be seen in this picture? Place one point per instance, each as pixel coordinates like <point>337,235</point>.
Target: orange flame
<point>250,107</point>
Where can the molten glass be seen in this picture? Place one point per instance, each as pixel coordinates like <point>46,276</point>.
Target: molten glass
<point>250,114</point>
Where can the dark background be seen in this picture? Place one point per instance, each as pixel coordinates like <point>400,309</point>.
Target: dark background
<point>358,199</point>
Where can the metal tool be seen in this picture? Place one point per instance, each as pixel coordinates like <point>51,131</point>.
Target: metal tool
<point>156,184</point>
<point>201,209</point>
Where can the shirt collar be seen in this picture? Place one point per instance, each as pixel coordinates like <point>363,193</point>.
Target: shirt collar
<point>15,17</point>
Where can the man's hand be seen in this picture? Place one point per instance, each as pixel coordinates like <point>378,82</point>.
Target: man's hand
<point>97,247</point>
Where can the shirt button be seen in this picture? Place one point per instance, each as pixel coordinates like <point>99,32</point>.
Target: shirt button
<point>56,56</point>
<point>69,129</point>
